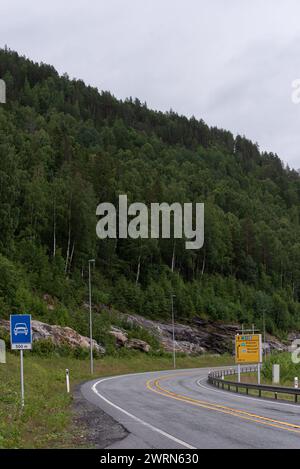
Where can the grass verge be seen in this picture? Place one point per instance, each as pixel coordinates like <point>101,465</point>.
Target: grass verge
<point>47,420</point>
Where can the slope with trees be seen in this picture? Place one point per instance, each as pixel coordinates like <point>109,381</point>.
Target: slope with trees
<point>65,148</point>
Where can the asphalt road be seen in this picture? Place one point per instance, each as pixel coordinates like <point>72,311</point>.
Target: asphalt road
<point>178,409</point>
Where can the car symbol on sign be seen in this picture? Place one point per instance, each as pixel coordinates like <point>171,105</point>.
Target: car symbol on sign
<point>21,328</point>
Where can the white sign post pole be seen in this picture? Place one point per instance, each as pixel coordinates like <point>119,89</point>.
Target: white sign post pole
<point>258,373</point>
<point>239,373</point>
<point>22,379</point>
<point>68,381</point>
<point>261,359</point>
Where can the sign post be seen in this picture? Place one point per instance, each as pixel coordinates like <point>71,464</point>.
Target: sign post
<point>239,373</point>
<point>258,373</point>
<point>248,350</point>
<point>21,339</point>
<point>22,379</point>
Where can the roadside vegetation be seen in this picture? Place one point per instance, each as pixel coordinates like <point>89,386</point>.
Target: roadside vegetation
<point>48,418</point>
<point>288,371</point>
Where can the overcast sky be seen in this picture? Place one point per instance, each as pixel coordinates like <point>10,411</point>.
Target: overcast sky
<point>230,62</point>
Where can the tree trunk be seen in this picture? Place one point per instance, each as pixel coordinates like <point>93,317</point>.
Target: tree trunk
<point>68,249</point>
<point>173,257</point>
<point>138,271</point>
<point>54,228</point>
<point>71,257</point>
<point>203,264</point>
<point>69,237</point>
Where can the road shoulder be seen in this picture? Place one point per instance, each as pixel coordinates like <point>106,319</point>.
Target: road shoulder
<point>97,429</point>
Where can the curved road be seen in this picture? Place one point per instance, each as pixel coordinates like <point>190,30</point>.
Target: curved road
<point>178,409</point>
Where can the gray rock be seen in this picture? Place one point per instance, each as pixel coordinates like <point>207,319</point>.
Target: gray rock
<point>201,336</point>
<point>138,344</point>
<point>120,336</point>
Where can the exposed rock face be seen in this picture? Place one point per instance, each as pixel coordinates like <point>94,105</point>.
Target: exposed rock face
<point>58,335</point>
<point>201,336</point>
<point>138,344</point>
<point>188,339</point>
<point>122,340</point>
<point>273,344</point>
<point>120,336</point>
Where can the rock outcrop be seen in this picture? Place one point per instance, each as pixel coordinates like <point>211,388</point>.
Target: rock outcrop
<point>58,335</point>
<point>122,340</point>
<point>201,336</point>
<point>120,335</point>
<point>138,344</point>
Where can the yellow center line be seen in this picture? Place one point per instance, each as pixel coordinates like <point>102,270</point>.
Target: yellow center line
<point>154,386</point>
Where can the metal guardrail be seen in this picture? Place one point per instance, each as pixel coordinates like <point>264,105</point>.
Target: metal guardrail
<point>217,378</point>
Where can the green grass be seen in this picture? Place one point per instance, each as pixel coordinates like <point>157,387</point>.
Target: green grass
<point>47,420</point>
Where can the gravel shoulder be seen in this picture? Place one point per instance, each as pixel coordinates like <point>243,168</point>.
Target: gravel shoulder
<point>93,427</point>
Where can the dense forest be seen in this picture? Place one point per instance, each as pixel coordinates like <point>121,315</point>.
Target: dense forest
<point>66,147</point>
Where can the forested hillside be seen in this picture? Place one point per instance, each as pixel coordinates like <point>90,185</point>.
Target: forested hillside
<point>65,148</point>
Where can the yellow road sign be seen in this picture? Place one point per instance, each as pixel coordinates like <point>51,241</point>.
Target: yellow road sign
<point>248,348</point>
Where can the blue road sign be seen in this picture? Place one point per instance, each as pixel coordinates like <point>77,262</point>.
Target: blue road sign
<point>20,332</point>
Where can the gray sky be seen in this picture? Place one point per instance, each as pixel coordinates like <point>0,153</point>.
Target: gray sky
<point>230,62</point>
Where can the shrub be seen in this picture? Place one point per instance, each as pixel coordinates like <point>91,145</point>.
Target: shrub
<point>46,348</point>
<point>288,369</point>
<point>43,348</point>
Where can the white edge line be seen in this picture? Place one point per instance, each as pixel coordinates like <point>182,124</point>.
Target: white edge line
<point>136,419</point>
<point>244,397</point>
